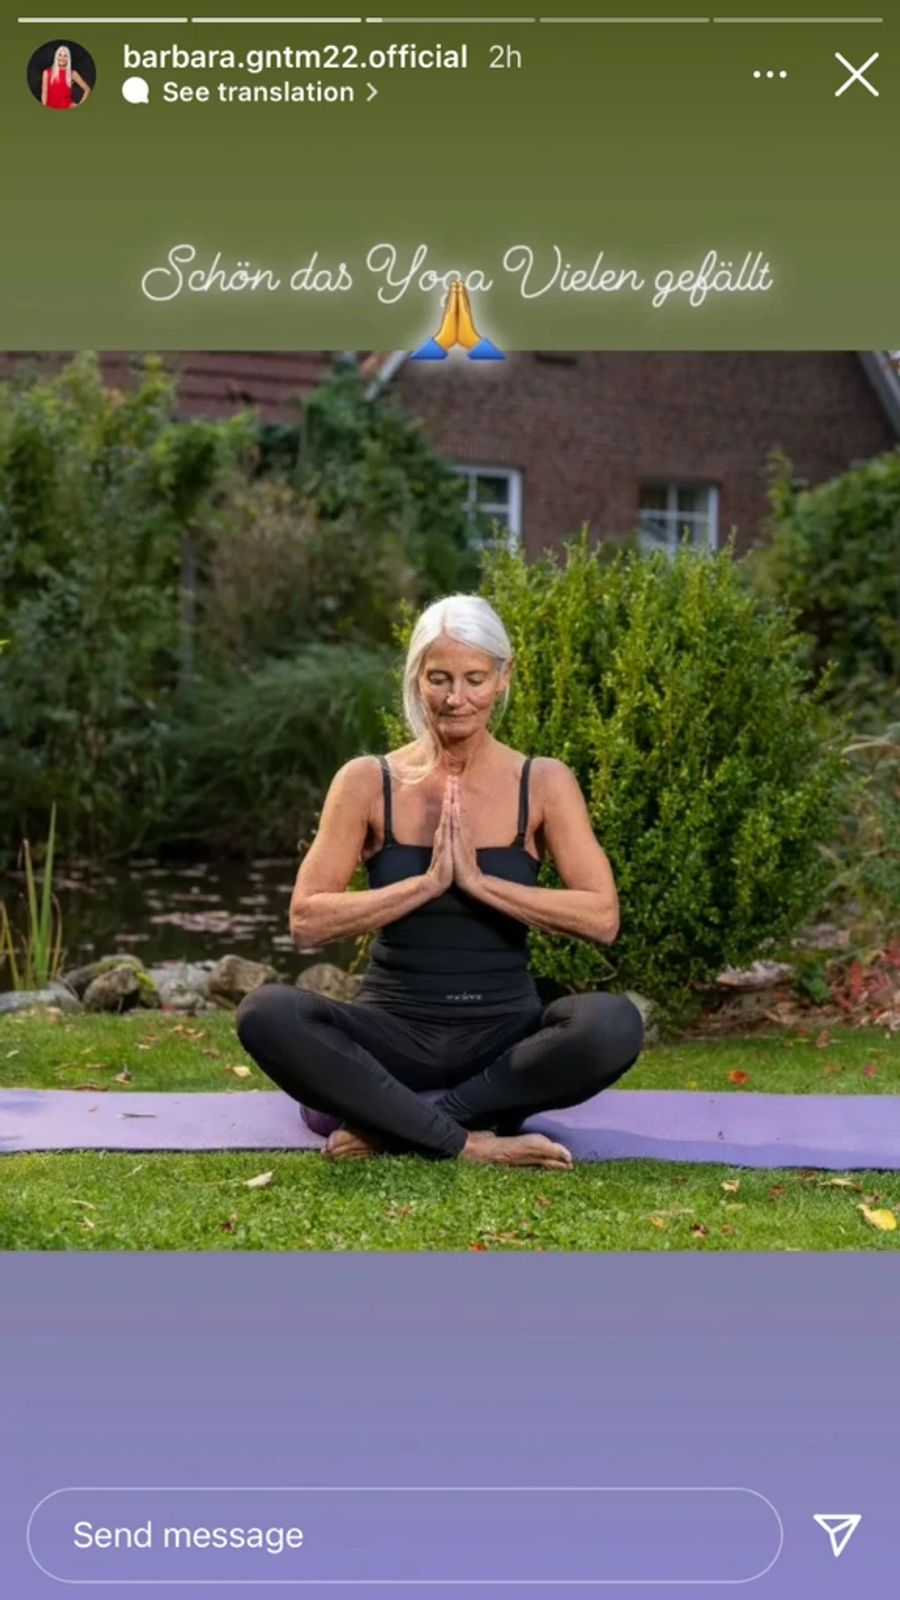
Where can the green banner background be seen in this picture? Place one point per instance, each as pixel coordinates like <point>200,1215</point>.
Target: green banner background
<point>650,142</point>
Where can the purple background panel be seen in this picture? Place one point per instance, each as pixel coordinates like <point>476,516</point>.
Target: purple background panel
<point>777,1375</point>
<point>751,1130</point>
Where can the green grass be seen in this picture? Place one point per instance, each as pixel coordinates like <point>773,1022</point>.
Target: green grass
<point>114,1201</point>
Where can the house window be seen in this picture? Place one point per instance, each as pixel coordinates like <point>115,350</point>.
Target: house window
<point>669,512</point>
<point>494,494</point>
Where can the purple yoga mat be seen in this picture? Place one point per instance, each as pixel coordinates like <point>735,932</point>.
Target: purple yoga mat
<point>748,1130</point>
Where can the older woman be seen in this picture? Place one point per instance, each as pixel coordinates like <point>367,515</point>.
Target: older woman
<point>451,828</point>
<point>57,81</point>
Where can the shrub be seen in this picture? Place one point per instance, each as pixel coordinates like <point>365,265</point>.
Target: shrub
<point>679,699</point>
<point>834,560</point>
<point>98,489</point>
<point>141,554</point>
<point>370,472</point>
<point>254,754</point>
<point>280,577</point>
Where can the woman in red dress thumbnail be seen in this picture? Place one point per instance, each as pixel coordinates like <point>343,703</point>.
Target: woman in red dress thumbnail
<point>57,80</point>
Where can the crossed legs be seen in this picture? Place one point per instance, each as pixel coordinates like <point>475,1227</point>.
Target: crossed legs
<point>364,1066</point>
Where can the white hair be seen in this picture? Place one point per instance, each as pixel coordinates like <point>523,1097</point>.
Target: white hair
<point>470,620</point>
<point>67,69</point>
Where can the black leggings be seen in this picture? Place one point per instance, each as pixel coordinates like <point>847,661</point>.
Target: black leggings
<point>364,1064</point>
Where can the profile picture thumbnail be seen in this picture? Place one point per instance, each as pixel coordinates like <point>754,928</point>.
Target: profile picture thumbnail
<point>61,75</point>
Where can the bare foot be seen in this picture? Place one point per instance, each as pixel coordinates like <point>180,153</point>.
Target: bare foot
<point>522,1150</point>
<point>344,1144</point>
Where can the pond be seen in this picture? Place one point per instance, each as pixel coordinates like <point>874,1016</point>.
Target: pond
<point>180,910</point>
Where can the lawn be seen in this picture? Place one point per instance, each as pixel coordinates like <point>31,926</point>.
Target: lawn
<point>203,1202</point>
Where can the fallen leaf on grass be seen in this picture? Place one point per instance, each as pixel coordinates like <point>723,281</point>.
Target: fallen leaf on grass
<point>97,1088</point>
<point>135,1170</point>
<point>658,1222</point>
<point>823,1040</point>
<point>399,1211</point>
<point>228,1225</point>
<point>88,1203</point>
<point>211,1053</point>
<point>699,1231</point>
<point>239,1072</point>
<point>731,1185</point>
<point>477,1245</point>
<point>123,1077</point>
<point>869,1071</point>
<point>883,1219</point>
<point>87,1223</point>
<point>776,1191</point>
<point>541,1200</point>
<point>842,1183</point>
<point>259,1182</point>
<point>10,1054</point>
<point>738,1077</point>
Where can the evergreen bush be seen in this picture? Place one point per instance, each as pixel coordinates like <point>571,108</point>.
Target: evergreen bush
<point>98,488</point>
<point>834,560</point>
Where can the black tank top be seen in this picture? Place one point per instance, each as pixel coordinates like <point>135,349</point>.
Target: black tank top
<point>454,949</point>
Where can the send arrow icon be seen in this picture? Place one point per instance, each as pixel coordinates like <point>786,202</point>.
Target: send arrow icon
<point>840,1528</point>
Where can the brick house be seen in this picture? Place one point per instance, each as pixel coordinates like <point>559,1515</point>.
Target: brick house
<point>660,441</point>
<point>656,440</point>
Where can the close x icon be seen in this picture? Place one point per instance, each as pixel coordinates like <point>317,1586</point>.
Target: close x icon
<point>857,74</point>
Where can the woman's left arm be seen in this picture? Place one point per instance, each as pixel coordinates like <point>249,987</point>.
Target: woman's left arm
<point>588,906</point>
<point>84,87</point>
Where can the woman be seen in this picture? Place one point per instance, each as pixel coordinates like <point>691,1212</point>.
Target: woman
<point>447,1001</point>
<point>57,81</point>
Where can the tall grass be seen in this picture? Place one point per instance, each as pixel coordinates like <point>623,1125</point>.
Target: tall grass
<point>866,855</point>
<point>253,756</point>
<point>40,952</point>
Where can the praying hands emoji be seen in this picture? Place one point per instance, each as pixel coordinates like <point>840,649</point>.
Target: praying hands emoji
<point>457,328</point>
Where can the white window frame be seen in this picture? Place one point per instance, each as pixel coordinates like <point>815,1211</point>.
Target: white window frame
<point>471,472</point>
<point>675,519</point>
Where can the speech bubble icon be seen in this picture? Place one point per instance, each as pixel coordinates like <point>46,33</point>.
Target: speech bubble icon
<point>136,91</point>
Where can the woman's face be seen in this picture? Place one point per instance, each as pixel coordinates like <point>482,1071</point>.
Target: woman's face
<point>459,685</point>
<point>62,56</point>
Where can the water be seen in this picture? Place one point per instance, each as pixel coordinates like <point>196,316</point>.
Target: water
<point>186,911</point>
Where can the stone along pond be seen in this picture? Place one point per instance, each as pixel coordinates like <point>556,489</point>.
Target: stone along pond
<point>179,911</point>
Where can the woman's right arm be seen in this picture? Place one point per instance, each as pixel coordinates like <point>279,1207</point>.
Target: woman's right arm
<point>44,87</point>
<point>322,907</point>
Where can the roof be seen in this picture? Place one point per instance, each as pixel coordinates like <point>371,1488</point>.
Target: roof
<point>882,368</point>
<point>212,383</point>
